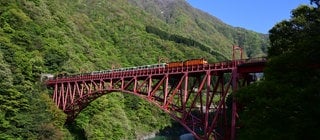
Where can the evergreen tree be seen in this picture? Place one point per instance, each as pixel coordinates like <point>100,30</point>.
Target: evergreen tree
<point>286,104</point>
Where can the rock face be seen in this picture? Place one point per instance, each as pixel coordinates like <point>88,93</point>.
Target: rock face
<point>147,137</point>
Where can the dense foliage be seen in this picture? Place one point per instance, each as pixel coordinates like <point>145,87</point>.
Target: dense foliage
<point>53,36</point>
<point>187,41</point>
<point>196,25</point>
<point>286,104</point>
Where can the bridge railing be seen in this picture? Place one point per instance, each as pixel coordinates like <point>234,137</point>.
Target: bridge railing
<point>118,73</point>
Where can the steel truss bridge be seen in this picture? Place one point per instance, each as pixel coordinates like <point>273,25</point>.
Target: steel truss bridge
<point>195,96</point>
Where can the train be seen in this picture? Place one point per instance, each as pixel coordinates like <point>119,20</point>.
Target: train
<point>190,62</point>
<point>176,64</point>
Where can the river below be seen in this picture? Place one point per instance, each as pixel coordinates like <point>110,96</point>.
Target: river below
<point>175,132</point>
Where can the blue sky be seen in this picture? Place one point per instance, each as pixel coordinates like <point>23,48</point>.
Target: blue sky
<point>256,15</point>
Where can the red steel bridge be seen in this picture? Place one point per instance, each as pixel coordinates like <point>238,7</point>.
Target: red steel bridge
<point>195,96</point>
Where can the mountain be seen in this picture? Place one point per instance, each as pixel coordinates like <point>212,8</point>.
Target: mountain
<point>195,24</point>
<point>54,36</point>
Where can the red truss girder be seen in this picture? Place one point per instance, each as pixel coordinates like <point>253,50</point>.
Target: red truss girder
<point>195,96</point>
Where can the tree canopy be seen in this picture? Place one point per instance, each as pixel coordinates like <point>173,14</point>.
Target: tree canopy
<point>285,105</point>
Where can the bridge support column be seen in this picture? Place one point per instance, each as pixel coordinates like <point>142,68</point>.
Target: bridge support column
<point>209,95</point>
<point>185,94</point>
<point>149,87</point>
<point>55,93</point>
<point>234,104</point>
<point>166,84</point>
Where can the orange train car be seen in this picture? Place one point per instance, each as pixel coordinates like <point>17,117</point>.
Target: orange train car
<point>174,64</point>
<point>193,62</point>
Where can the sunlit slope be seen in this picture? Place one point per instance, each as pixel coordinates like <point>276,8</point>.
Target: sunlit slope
<point>202,27</point>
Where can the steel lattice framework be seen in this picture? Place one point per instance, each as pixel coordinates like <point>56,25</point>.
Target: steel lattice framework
<point>195,96</point>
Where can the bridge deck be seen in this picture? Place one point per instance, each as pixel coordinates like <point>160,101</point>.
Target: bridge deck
<point>244,66</point>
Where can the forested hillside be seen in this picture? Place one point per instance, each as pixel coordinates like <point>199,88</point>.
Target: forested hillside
<point>285,104</point>
<point>197,25</point>
<point>53,36</point>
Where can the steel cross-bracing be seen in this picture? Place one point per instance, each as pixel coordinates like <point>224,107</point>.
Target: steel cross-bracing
<point>195,96</point>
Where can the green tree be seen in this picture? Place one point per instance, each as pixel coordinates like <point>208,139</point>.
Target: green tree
<point>12,103</point>
<point>286,104</point>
